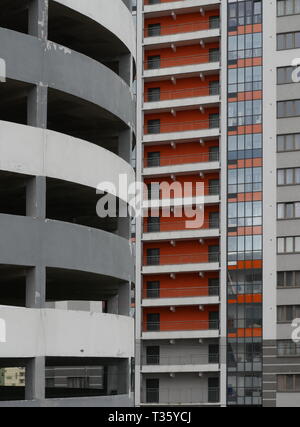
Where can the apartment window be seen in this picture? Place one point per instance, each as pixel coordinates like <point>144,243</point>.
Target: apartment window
<point>214,220</point>
<point>152,391</point>
<point>245,282</point>
<point>153,126</point>
<point>154,224</point>
<point>153,256</point>
<point>287,109</point>
<point>244,146</point>
<point>214,87</point>
<point>153,62</point>
<point>245,46</point>
<point>153,322</point>
<point>214,253</point>
<point>153,289</point>
<point>154,94</point>
<point>153,191</point>
<point>214,187</point>
<point>154,30</point>
<point>288,176</point>
<point>288,142</point>
<point>244,113</point>
<point>288,245</point>
<point>214,121</point>
<point>288,279</point>
<point>288,348</point>
<point>288,383</point>
<point>153,355</point>
<point>285,75</point>
<point>245,214</point>
<point>287,313</point>
<point>213,287</point>
<point>288,7</point>
<point>214,154</point>
<point>244,180</point>
<point>244,79</point>
<point>287,41</point>
<point>214,22</point>
<point>288,210</point>
<point>214,55</point>
<point>153,159</point>
<point>244,13</point>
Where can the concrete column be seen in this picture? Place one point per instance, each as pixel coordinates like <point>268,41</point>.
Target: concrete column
<point>124,299</point>
<point>36,197</point>
<point>124,376</point>
<point>38,18</point>
<point>112,305</point>
<point>126,68</point>
<point>35,379</point>
<point>37,106</point>
<point>125,145</point>
<point>36,287</point>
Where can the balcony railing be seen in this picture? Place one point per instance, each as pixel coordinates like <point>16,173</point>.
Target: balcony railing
<point>194,359</point>
<point>185,325</point>
<point>177,395</point>
<point>166,226</point>
<point>177,61</point>
<point>168,95</point>
<point>186,292</point>
<point>183,159</point>
<point>185,27</point>
<point>182,126</point>
<point>187,192</point>
<point>198,258</point>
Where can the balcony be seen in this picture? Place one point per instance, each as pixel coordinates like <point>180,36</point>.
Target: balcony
<point>206,96</point>
<point>188,329</point>
<point>180,297</point>
<point>190,363</point>
<point>176,230</point>
<point>191,195</point>
<point>180,65</point>
<point>177,396</point>
<point>176,131</point>
<point>181,33</point>
<point>164,6</point>
<point>193,162</point>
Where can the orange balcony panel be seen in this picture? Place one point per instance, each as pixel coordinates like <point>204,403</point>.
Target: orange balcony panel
<point>248,96</point>
<point>186,153</point>
<point>250,29</point>
<point>247,333</point>
<point>184,88</point>
<point>246,265</point>
<point>184,55</point>
<point>183,319</point>
<point>184,23</point>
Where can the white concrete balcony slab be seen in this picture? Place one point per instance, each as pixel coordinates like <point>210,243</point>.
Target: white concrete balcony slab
<point>169,335</point>
<point>181,135</point>
<point>182,70</point>
<point>169,369</point>
<point>182,38</point>
<point>213,199</point>
<point>162,8</point>
<point>180,169</point>
<point>182,103</point>
<point>181,302</point>
<point>58,333</point>
<point>181,268</point>
<point>201,233</point>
